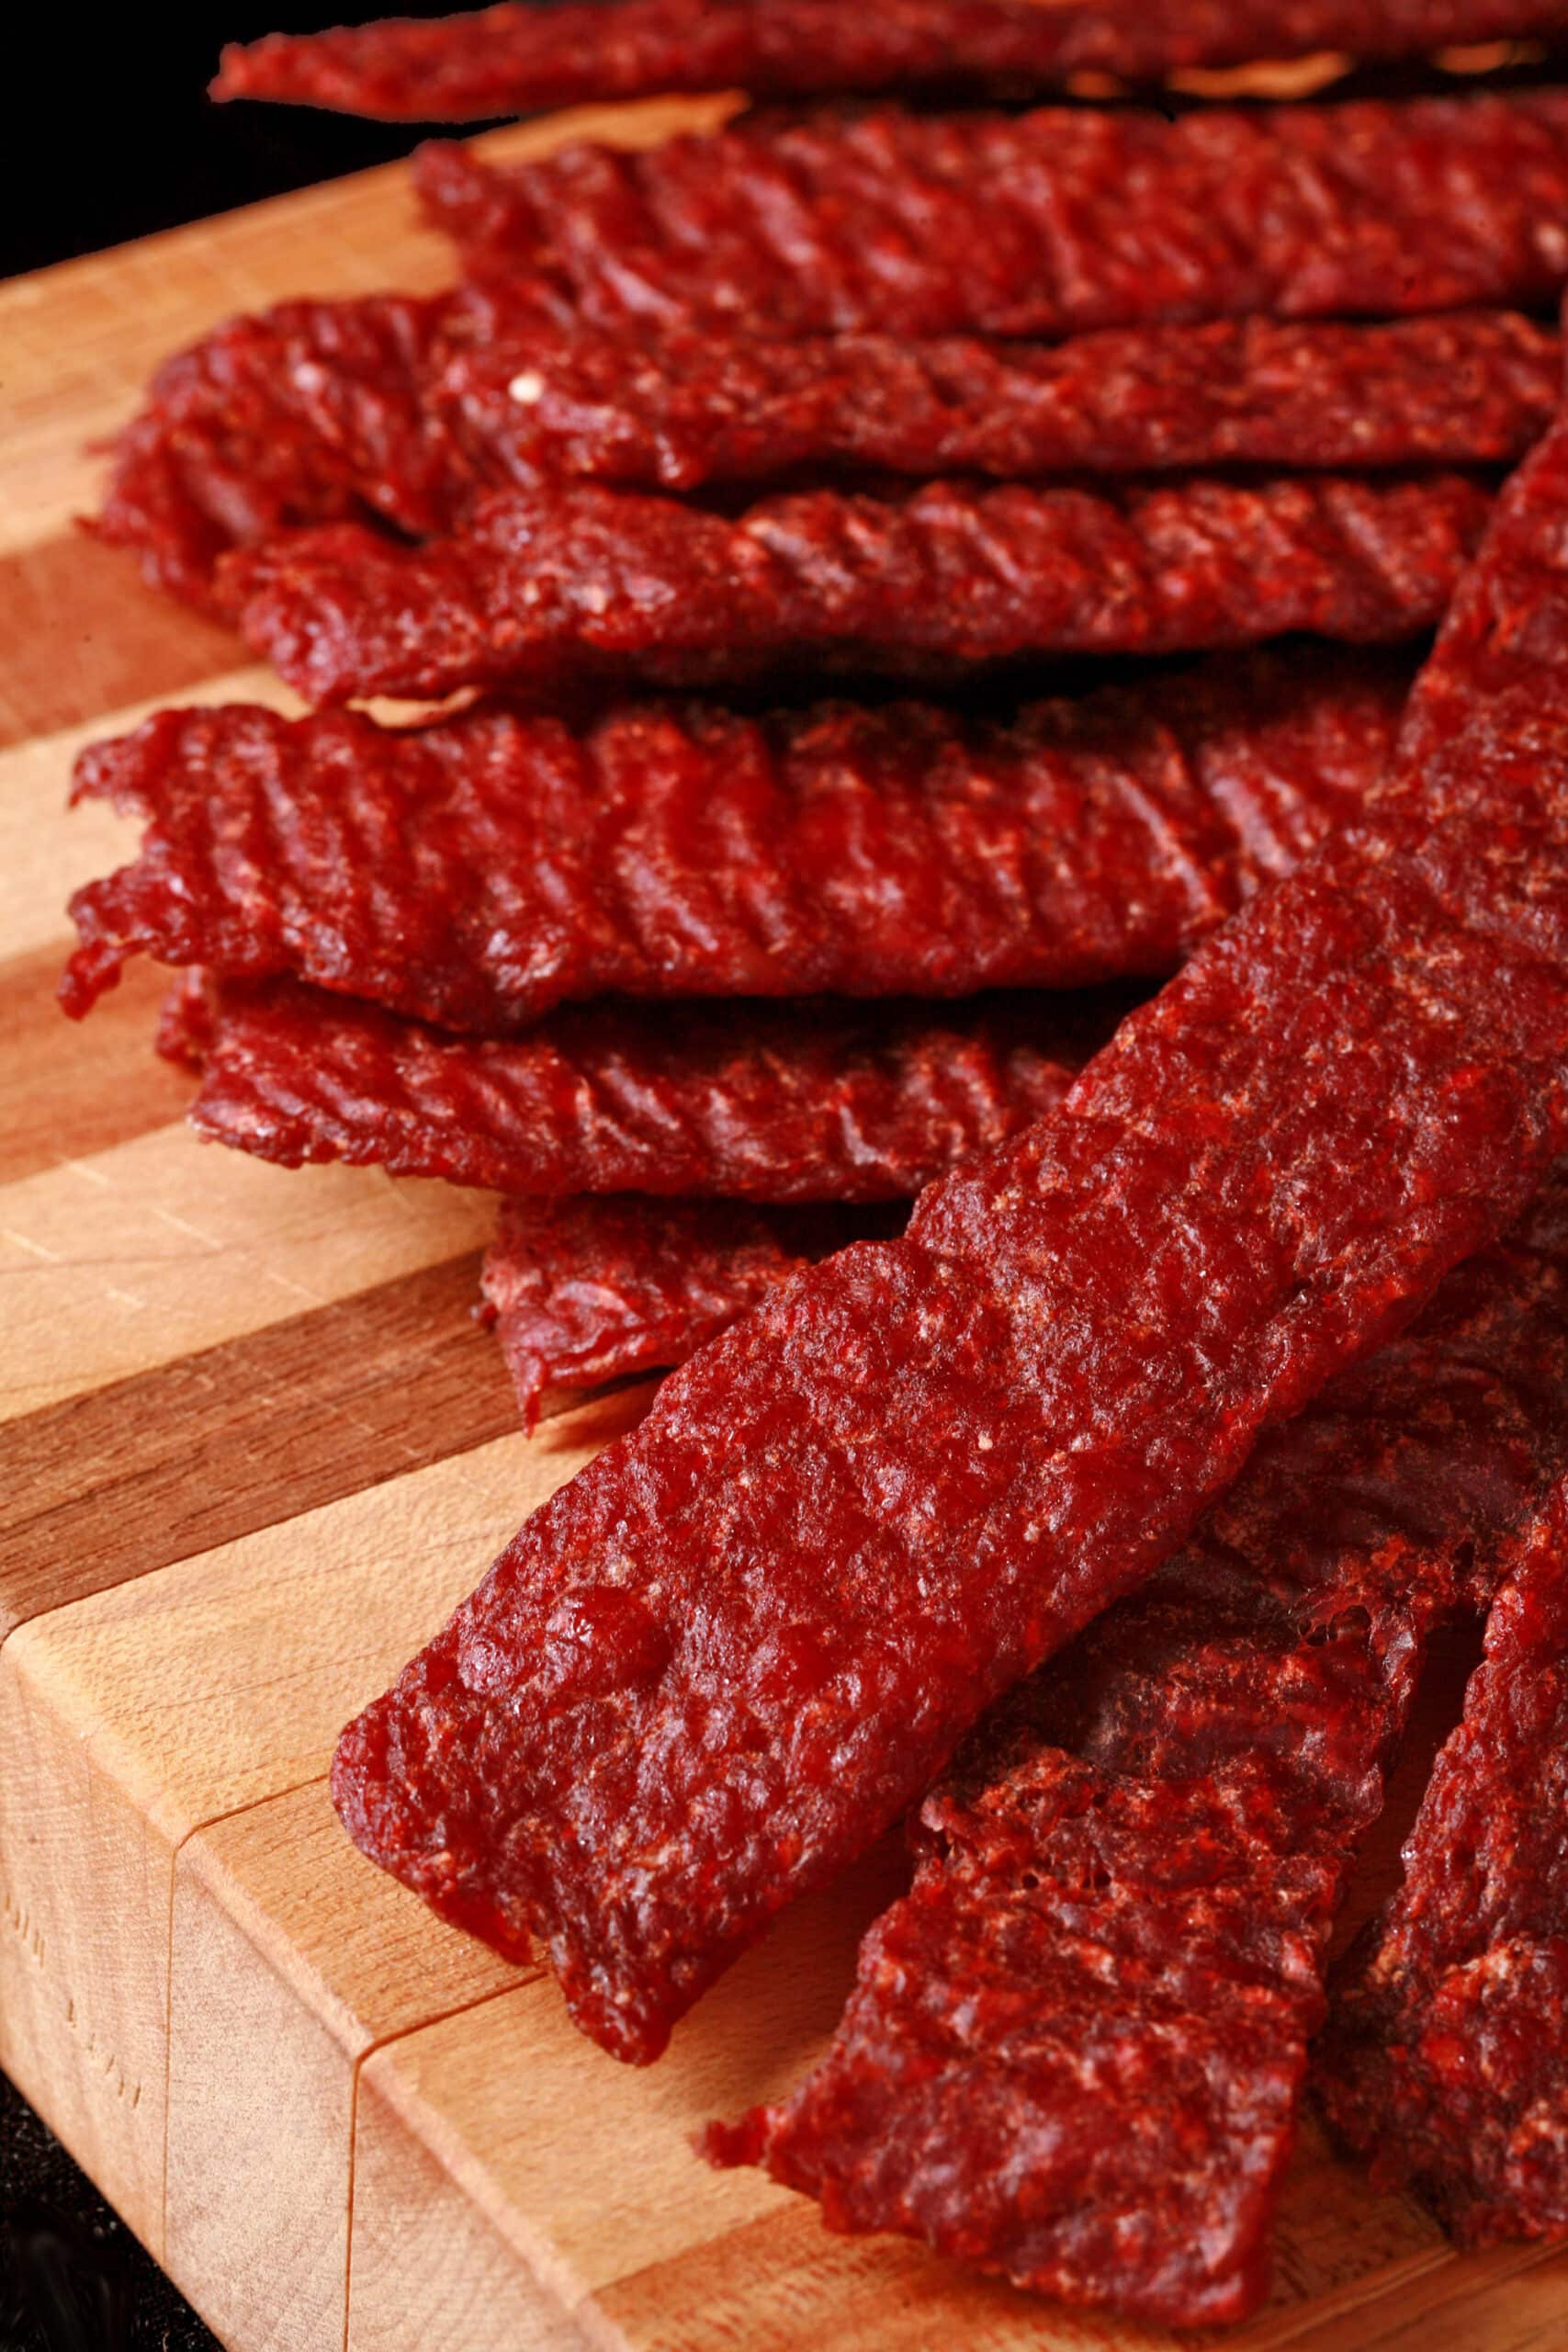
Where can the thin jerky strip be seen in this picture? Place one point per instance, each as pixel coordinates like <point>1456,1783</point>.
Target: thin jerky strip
<point>1075,2053</point>
<point>585,1291</point>
<point>579,585</point>
<point>765,1102</point>
<point>1445,2060</point>
<point>684,408</point>
<point>1048,223</point>
<point>476,871</point>
<point>717,1663</point>
<point>511,60</point>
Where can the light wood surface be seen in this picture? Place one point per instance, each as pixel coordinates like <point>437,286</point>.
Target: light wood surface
<point>252,1450</point>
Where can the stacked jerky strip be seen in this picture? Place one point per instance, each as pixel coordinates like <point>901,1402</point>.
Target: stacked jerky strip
<point>404,412</point>
<point>911,1475</point>
<point>555,586</point>
<point>509,59</point>
<point>348,886</point>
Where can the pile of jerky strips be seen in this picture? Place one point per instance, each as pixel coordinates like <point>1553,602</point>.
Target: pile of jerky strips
<point>755,877</point>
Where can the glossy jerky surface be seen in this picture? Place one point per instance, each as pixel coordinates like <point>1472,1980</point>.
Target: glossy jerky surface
<point>1104,1978</point>
<point>1445,2060</point>
<point>586,1291</point>
<point>766,1102</point>
<point>678,408</point>
<point>719,1662</point>
<point>575,585</point>
<point>510,60</point>
<point>476,871</point>
<point>1048,223</point>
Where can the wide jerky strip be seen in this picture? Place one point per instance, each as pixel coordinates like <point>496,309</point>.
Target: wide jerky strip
<point>404,412</point>
<point>478,871</point>
<point>1048,223</point>
<point>766,1102</point>
<point>675,410</point>
<point>1075,2052</point>
<point>510,60</point>
<point>579,585</point>
<point>1445,2060</point>
<point>717,1663</point>
<point>589,1290</point>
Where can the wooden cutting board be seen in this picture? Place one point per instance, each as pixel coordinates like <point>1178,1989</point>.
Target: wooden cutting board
<point>252,1450</point>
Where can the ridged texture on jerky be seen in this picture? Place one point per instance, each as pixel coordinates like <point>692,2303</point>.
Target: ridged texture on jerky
<point>577,584</point>
<point>476,871</point>
<point>719,1662</point>
<point>587,1290</point>
<point>765,1103</point>
<point>1445,2060</point>
<point>677,410</point>
<point>1075,2053</point>
<point>510,60</point>
<point>308,412</point>
<point>1040,224</point>
<point>401,412</point>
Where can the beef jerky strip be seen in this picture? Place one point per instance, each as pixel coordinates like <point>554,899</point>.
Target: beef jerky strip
<point>403,413</point>
<point>768,1103</point>
<point>309,412</point>
<point>1075,2053</point>
<point>589,1290</point>
<point>586,585</point>
<point>717,1663</point>
<point>1042,225</point>
<point>677,410</point>
<point>1445,2060</point>
<point>478,871</point>
<point>511,60</point>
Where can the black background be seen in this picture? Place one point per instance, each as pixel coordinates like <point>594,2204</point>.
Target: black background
<point>143,147</point>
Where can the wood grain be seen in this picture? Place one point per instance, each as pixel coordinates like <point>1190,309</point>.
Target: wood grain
<point>136,1715</point>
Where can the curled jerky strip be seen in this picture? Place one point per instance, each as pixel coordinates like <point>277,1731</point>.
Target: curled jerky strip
<point>510,60</point>
<point>676,410</point>
<point>1445,2060</point>
<point>557,585</point>
<point>1075,2052</point>
<point>476,871</point>
<point>591,1290</point>
<point>716,1664</point>
<point>1042,224</point>
<point>766,1102</point>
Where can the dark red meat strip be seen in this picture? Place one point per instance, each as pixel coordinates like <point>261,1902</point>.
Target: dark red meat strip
<point>1446,2057</point>
<point>1042,224</point>
<point>766,1102</point>
<point>684,408</point>
<point>476,871</point>
<point>556,585</point>
<point>720,1661</point>
<point>308,413</point>
<point>403,413</point>
<point>1075,2053</point>
<point>591,1290</point>
<point>510,60</point>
